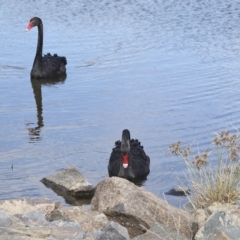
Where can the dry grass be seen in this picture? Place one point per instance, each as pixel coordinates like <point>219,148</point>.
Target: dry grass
<point>218,184</point>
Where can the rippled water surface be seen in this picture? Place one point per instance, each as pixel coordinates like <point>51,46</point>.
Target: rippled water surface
<point>166,70</point>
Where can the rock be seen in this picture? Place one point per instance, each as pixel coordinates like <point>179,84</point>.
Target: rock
<point>223,223</point>
<point>61,223</point>
<point>114,231</point>
<point>216,206</point>
<point>5,220</point>
<point>36,233</point>
<point>43,219</point>
<point>26,205</point>
<point>236,216</point>
<point>226,233</point>
<point>88,220</point>
<point>160,232</point>
<point>137,209</point>
<point>216,226</point>
<point>29,218</point>
<point>201,216</point>
<point>178,191</point>
<point>38,229</point>
<point>69,182</point>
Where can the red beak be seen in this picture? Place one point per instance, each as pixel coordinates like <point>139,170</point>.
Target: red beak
<point>125,160</point>
<point>30,25</point>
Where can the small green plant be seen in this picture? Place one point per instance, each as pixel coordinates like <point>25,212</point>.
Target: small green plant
<point>213,184</point>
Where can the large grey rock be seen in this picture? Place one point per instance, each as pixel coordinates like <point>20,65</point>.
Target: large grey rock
<point>217,225</point>
<point>160,232</point>
<point>226,233</point>
<point>137,209</point>
<point>114,231</point>
<point>69,182</point>
<point>88,220</point>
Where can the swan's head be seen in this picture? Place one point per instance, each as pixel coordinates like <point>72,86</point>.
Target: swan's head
<point>125,147</point>
<point>33,22</point>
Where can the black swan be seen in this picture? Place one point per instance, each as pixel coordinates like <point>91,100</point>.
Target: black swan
<point>128,159</point>
<point>47,66</point>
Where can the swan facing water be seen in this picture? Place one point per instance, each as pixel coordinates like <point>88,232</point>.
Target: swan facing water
<point>47,66</point>
<point>128,159</point>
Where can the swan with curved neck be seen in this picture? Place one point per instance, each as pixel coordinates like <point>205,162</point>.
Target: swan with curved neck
<point>128,159</point>
<point>47,66</point>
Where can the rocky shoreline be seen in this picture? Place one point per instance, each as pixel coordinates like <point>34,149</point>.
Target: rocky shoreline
<point>119,210</point>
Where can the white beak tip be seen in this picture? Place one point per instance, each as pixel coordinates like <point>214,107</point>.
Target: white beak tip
<point>125,165</point>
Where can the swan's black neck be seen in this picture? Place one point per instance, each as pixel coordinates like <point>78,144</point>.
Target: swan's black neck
<point>38,57</point>
<point>125,145</point>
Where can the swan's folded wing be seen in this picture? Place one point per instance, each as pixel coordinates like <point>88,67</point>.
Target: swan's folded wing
<point>54,64</point>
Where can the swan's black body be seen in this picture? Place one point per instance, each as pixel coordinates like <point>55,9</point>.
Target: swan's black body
<point>47,66</point>
<point>138,161</point>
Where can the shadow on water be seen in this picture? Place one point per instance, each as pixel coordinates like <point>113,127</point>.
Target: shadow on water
<point>34,133</point>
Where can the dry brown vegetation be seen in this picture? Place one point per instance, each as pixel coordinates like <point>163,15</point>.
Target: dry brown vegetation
<point>218,182</point>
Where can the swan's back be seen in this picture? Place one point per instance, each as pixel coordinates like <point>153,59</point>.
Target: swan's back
<point>138,155</point>
<point>50,66</point>
<point>115,160</point>
<point>139,162</point>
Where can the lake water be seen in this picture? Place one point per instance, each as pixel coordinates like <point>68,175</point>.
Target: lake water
<point>166,70</point>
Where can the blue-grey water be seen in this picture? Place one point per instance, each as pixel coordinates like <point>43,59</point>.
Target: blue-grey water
<point>166,70</point>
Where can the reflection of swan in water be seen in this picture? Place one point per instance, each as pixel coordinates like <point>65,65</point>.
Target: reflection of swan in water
<point>34,133</point>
